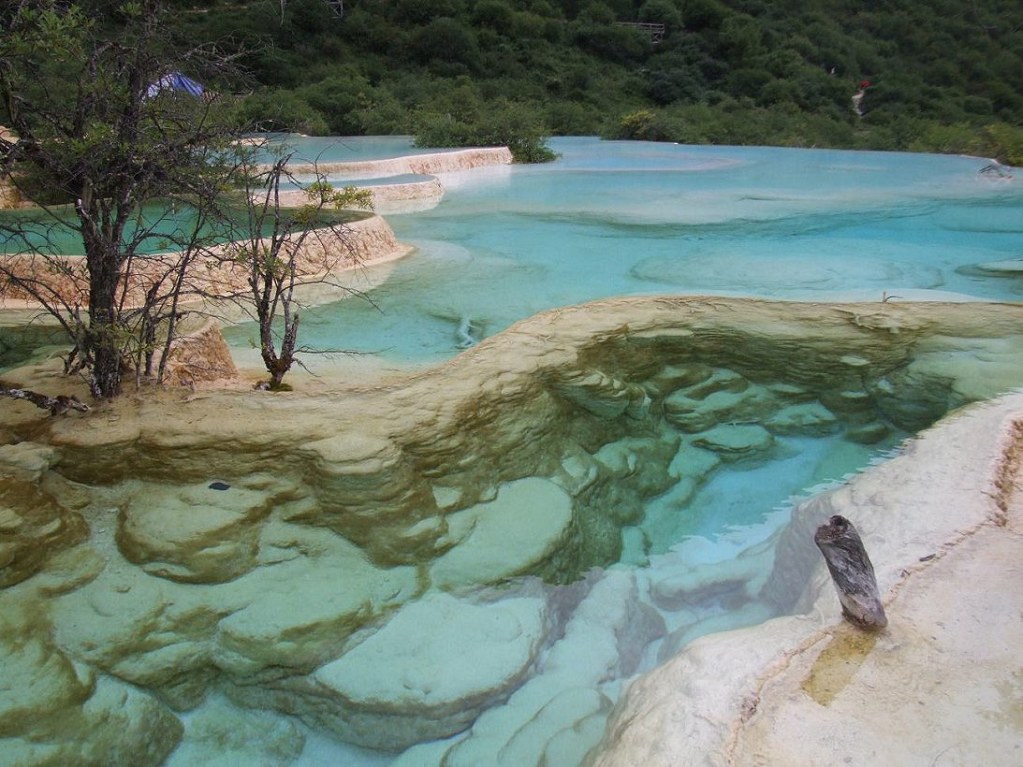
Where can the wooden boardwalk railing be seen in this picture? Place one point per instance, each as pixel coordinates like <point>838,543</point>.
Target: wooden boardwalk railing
<point>656,31</point>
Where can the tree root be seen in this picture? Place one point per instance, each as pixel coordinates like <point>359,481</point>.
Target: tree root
<point>56,405</point>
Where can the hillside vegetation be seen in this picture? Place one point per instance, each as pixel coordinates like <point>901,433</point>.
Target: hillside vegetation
<point>945,75</point>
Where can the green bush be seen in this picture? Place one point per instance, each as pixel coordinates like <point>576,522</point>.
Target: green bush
<point>1000,141</point>
<point>445,40</point>
<point>275,109</point>
<point>516,126</point>
<point>644,125</point>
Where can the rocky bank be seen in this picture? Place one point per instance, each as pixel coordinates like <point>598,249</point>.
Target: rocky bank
<point>169,551</point>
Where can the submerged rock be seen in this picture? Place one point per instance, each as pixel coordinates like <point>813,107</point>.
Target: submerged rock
<point>275,634</point>
<point>33,527</point>
<point>514,534</point>
<point>735,442</point>
<point>54,710</point>
<point>368,491</point>
<point>388,692</point>
<point>547,716</point>
<point>723,396</point>
<point>810,418</point>
<point>193,533</point>
<point>219,735</point>
<point>366,497</point>
<point>602,395</point>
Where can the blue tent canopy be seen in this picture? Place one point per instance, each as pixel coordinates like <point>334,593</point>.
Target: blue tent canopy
<point>175,81</point>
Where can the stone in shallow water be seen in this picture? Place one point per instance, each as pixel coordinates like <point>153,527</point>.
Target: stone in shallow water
<point>639,462</point>
<point>1010,267</point>
<point>737,441</point>
<point>804,418</point>
<point>848,402</point>
<point>341,592</point>
<point>426,674</point>
<point>724,396</point>
<point>193,533</point>
<point>175,637</point>
<point>56,711</point>
<point>766,270</point>
<point>368,490</point>
<point>868,433</point>
<point>749,614</point>
<point>519,529</point>
<point>219,735</point>
<point>26,460</point>
<point>145,630</point>
<point>667,518</point>
<point>32,527</point>
<point>677,584</point>
<point>547,716</point>
<point>602,395</point>
<point>673,377</point>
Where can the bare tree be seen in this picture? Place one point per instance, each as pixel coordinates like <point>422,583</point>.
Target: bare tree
<point>282,246</point>
<point>102,129</point>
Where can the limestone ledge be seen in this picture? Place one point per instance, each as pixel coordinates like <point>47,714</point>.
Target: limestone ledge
<point>554,396</point>
<point>367,240</point>
<point>248,542</point>
<point>387,198</point>
<point>400,197</point>
<point>416,164</point>
<point>804,689</point>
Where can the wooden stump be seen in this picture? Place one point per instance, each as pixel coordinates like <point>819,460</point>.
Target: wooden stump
<point>852,573</point>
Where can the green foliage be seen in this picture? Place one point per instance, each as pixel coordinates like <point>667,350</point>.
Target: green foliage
<point>279,109</point>
<point>445,40</point>
<point>323,194</point>
<point>493,14</point>
<point>661,12</point>
<point>1000,141</point>
<point>513,125</point>
<point>643,125</point>
<point>386,66</point>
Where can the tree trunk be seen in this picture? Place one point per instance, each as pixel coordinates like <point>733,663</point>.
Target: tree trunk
<point>287,355</point>
<point>103,341</point>
<point>852,573</point>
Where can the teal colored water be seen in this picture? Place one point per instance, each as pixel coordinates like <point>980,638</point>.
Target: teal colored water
<point>323,149</point>
<point>623,218</point>
<point>613,218</point>
<point>160,225</point>
<point>160,228</point>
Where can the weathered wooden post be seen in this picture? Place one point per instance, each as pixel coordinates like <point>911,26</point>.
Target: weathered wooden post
<point>852,573</point>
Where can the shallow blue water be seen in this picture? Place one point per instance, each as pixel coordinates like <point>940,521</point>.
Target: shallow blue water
<point>323,149</point>
<point>613,218</point>
<point>625,218</point>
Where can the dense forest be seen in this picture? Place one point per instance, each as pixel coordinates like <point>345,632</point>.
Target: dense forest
<point>933,75</point>
<point>944,75</point>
